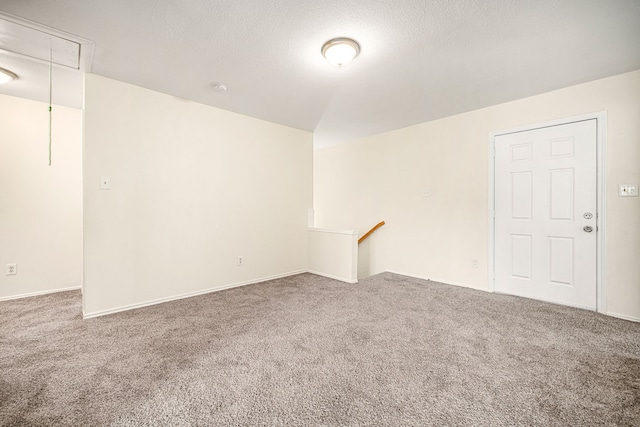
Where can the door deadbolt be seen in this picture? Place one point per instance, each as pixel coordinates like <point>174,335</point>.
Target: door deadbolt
<point>588,228</point>
<point>587,215</point>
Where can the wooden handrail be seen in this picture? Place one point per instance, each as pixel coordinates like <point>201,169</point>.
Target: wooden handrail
<point>378,225</point>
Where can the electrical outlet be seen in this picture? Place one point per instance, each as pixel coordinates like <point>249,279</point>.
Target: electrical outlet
<point>240,261</point>
<point>11,269</point>
<point>474,263</point>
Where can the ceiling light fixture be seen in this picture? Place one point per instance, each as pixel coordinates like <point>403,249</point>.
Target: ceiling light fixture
<point>7,76</point>
<point>340,51</point>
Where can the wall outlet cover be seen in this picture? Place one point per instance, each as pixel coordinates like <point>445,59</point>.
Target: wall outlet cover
<point>11,269</point>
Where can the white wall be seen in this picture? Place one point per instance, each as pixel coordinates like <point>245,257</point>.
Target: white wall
<point>40,205</point>
<point>334,254</point>
<point>383,177</point>
<point>192,188</point>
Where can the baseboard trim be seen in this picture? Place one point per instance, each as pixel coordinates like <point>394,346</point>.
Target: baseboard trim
<point>624,317</point>
<point>35,294</point>
<point>619,316</point>
<point>187,295</point>
<point>329,276</point>
<point>435,279</point>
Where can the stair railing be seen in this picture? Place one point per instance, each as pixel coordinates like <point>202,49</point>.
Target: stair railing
<point>368,233</point>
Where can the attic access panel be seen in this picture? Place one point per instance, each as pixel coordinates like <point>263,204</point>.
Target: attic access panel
<point>31,40</point>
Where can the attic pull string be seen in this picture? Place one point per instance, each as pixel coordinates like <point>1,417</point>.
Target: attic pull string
<point>50,93</point>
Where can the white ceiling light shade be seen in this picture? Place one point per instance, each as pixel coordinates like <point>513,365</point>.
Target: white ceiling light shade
<point>7,76</point>
<point>340,51</point>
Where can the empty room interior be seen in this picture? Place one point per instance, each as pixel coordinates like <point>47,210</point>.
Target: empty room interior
<point>320,212</point>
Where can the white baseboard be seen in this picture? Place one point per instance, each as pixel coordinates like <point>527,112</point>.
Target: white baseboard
<point>342,279</point>
<point>435,279</point>
<point>34,294</point>
<point>187,295</point>
<point>619,316</point>
<point>624,317</point>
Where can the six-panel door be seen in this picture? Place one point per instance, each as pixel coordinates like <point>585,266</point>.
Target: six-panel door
<point>545,214</point>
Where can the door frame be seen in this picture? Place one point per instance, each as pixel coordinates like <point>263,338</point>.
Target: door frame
<point>601,134</point>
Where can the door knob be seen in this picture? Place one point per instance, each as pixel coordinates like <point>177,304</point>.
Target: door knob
<point>588,228</point>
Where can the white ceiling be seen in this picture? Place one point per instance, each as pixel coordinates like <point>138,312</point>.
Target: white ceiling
<point>420,60</point>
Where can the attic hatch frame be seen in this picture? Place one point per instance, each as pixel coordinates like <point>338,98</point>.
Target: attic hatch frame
<point>36,39</point>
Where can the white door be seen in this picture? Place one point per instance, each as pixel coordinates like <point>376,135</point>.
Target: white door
<point>545,214</point>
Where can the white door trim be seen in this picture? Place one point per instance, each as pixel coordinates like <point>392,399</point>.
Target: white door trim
<point>601,129</point>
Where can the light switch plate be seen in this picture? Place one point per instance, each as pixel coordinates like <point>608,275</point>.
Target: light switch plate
<point>105,183</point>
<point>628,190</point>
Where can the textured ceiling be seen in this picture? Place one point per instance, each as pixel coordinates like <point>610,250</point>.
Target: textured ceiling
<point>420,60</point>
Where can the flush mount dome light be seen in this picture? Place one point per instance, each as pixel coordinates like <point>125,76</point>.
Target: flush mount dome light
<point>340,51</point>
<point>7,76</point>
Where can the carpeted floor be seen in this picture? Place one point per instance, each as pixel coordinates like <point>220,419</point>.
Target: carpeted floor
<point>306,350</point>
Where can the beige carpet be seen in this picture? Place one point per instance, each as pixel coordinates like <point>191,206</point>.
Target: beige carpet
<point>306,350</point>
